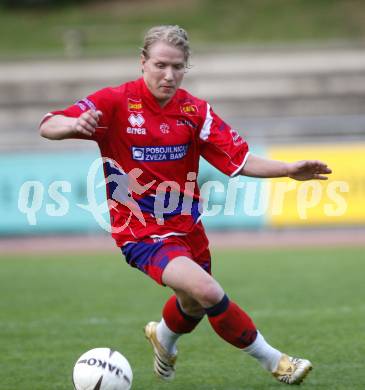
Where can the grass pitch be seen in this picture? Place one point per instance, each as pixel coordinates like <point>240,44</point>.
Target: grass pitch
<point>306,302</point>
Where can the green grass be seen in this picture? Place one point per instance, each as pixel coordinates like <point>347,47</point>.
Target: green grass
<point>306,302</point>
<point>116,27</point>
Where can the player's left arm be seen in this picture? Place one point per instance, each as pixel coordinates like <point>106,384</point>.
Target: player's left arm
<point>256,166</point>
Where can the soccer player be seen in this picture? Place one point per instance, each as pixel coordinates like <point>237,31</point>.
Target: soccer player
<point>151,134</point>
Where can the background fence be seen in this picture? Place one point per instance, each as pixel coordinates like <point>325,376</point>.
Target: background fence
<point>47,193</point>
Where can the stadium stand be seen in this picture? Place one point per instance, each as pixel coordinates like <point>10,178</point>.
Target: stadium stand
<point>272,96</point>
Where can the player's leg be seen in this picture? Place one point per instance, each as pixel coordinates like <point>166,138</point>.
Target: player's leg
<point>154,258</point>
<point>180,315</point>
<point>188,305</point>
<point>229,321</point>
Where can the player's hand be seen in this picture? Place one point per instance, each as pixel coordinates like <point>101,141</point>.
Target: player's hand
<point>87,122</point>
<point>308,170</point>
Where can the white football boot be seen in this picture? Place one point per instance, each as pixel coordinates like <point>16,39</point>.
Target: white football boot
<point>164,363</point>
<point>292,370</point>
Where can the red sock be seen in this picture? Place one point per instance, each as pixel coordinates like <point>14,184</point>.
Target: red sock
<point>176,320</point>
<point>231,323</point>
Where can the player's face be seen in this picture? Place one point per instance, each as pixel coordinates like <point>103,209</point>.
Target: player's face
<point>163,71</point>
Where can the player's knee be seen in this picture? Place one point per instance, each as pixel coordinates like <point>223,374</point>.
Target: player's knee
<point>209,293</point>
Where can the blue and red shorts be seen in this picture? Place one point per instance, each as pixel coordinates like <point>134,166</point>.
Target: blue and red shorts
<point>151,255</point>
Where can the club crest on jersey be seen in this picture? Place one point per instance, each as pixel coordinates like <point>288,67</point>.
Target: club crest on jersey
<point>135,105</point>
<point>189,109</point>
<point>136,120</point>
<point>165,128</point>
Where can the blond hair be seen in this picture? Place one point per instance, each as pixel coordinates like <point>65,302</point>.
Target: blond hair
<point>174,35</point>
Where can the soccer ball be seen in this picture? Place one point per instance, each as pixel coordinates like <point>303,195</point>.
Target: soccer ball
<point>102,369</point>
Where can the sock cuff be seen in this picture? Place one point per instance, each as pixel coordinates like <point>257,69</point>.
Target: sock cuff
<point>187,317</point>
<point>218,308</point>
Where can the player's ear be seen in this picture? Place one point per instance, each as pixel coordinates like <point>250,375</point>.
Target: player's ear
<point>144,58</point>
<point>143,62</point>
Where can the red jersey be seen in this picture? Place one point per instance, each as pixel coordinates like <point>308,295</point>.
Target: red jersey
<point>151,157</point>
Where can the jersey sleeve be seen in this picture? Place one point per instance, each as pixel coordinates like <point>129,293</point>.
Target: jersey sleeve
<point>221,145</point>
<point>102,100</point>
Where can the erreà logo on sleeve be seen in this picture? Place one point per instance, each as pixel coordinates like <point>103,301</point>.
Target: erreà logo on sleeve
<point>135,105</point>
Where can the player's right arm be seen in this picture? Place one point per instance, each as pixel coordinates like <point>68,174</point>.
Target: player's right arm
<point>88,118</point>
<point>59,127</point>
